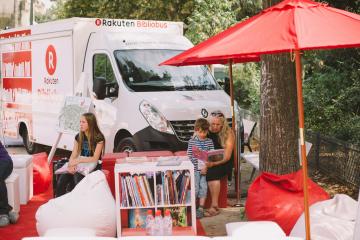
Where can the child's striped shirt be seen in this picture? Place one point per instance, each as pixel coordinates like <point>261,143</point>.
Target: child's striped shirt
<point>204,145</point>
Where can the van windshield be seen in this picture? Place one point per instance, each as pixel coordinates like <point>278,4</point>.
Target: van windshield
<point>141,72</point>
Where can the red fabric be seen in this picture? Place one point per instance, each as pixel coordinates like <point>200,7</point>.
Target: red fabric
<point>280,198</point>
<point>107,175</point>
<point>151,154</point>
<point>180,153</point>
<point>26,225</point>
<point>289,25</point>
<point>42,173</point>
<point>108,164</point>
<point>222,195</point>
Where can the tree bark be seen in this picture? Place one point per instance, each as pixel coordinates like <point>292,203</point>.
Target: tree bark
<point>278,110</point>
<point>279,119</point>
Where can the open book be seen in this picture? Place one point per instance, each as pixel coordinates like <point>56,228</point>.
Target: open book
<point>208,156</point>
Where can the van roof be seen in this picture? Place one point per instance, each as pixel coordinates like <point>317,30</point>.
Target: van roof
<point>103,24</point>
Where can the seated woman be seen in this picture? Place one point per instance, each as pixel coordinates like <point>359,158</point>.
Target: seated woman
<point>88,147</point>
<point>222,137</point>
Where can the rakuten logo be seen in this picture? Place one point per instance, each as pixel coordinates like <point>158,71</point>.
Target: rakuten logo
<point>50,59</point>
<point>98,22</point>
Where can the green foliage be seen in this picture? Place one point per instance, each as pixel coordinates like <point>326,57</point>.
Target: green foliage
<point>247,86</point>
<point>169,10</point>
<point>332,93</point>
<point>209,18</point>
<point>247,8</point>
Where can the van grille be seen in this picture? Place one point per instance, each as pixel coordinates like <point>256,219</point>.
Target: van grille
<point>185,129</point>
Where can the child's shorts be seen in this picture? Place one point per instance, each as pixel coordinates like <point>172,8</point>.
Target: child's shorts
<point>200,185</point>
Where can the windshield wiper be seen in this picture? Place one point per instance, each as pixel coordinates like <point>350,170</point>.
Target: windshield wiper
<point>195,87</point>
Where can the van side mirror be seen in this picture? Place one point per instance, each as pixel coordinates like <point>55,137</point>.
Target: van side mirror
<point>99,87</point>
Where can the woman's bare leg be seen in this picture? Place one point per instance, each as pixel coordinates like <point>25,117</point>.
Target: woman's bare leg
<point>214,187</point>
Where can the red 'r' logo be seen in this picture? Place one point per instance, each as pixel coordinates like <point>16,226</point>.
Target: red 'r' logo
<point>50,59</point>
<point>98,22</point>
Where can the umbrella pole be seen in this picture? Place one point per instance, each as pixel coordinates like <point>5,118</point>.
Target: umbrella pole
<point>237,165</point>
<point>302,141</point>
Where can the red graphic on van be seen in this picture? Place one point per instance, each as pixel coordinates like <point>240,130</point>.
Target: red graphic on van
<point>98,22</point>
<point>50,59</point>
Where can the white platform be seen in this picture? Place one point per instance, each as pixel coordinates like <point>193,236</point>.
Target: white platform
<point>13,191</point>
<point>23,166</point>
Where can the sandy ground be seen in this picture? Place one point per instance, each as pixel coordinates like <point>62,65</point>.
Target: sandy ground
<point>214,226</point>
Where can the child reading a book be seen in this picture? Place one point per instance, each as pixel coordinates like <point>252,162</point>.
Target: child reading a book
<point>201,142</point>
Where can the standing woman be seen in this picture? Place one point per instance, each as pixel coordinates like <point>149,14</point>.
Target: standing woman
<point>88,147</point>
<point>223,137</point>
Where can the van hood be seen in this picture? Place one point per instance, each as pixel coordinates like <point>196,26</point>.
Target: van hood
<point>188,105</point>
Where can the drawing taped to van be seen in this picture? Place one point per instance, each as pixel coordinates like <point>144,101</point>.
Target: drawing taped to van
<point>139,105</point>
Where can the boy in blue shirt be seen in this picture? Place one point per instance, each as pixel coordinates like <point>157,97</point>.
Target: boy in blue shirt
<point>201,142</point>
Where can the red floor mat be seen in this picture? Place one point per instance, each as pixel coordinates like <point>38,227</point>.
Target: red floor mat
<point>26,225</point>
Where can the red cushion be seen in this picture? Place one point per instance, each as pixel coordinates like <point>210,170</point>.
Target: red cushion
<point>108,164</point>
<point>113,156</point>
<point>222,196</point>
<point>42,174</point>
<point>180,153</point>
<point>151,154</point>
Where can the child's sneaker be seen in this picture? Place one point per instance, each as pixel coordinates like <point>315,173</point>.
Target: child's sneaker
<point>13,217</point>
<point>4,220</point>
<point>200,213</point>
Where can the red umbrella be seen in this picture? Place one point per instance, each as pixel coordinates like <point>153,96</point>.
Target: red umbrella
<point>290,26</point>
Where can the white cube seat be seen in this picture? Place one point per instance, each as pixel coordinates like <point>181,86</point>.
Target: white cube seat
<point>70,232</point>
<point>255,230</point>
<point>13,191</point>
<point>23,166</point>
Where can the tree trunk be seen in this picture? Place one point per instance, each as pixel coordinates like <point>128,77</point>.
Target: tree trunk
<point>278,110</point>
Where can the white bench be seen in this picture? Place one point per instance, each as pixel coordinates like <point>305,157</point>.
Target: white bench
<point>13,191</point>
<point>23,166</point>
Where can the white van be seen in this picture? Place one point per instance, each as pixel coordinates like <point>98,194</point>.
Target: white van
<point>139,105</point>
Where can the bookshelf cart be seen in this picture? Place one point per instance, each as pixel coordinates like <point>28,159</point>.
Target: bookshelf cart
<point>122,170</point>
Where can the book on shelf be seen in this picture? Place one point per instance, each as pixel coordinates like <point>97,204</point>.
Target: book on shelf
<point>172,187</point>
<point>137,191</point>
<point>178,215</point>
<point>137,217</point>
<point>208,156</point>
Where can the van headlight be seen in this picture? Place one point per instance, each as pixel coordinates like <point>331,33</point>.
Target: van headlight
<point>155,119</point>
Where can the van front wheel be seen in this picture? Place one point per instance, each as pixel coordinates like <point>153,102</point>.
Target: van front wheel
<point>126,145</point>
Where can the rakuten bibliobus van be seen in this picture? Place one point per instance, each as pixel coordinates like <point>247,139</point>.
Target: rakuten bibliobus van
<point>139,105</point>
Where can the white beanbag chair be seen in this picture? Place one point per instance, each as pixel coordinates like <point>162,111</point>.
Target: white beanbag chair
<point>332,219</point>
<point>89,205</point>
